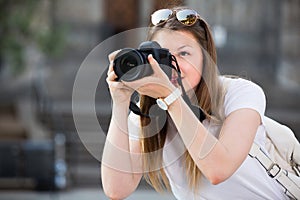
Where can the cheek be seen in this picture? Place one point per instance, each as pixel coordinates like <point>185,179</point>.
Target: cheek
<point>195,78</point>
<point>192,73</point>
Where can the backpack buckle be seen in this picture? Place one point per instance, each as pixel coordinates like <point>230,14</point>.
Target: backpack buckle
<point>273,170</point>
<point>295,167</point>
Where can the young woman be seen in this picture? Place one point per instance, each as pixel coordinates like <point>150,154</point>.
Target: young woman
<point>196,159</point>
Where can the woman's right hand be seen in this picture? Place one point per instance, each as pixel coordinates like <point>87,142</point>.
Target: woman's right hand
<point>120,93</point>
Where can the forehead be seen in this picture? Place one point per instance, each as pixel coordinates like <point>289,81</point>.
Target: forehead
<point>173,40</point>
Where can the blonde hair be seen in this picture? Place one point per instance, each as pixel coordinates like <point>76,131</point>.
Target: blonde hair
<point>210,97</point>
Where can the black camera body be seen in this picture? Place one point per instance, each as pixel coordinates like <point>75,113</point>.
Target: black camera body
<point>132,64</point>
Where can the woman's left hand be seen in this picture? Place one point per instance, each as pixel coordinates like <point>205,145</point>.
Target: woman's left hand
<point>156,85</point>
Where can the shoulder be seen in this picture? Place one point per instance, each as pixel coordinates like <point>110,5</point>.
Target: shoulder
<point>242,93</point>
<point>239,84</point>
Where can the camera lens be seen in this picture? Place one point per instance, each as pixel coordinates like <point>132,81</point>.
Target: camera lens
<point>128,64</point>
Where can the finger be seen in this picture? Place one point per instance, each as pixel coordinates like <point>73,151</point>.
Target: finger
<point>111,58</point>
<point>115,85</point>
<point>153,63</point>
<point>110,68</point>
<point>134,85</point>
<point>111,76</point>
<point>112,55</point>
<point>118,87</point>
<point>158,71</point>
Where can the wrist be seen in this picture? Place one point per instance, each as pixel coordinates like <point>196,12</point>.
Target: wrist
<point>119,116</point>
<point>120,108</point>
<point>164,103</point>
<point>175,104</point>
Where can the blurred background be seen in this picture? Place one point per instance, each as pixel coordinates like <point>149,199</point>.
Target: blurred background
<point>44,42</point>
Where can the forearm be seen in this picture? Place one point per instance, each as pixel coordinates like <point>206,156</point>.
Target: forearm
<point>119,165</point>
<point>213,158</point>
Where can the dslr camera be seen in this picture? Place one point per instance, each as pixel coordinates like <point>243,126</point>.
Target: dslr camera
<point>132,64</point>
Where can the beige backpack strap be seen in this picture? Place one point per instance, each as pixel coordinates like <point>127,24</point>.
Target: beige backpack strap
<point>284,140</point>
<point>292,189</point>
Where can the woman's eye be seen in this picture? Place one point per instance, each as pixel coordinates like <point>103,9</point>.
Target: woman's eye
<point>184,53</point>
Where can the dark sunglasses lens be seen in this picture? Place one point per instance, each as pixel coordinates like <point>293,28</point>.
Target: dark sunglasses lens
<point>160,16</point>
<point>187,17</point>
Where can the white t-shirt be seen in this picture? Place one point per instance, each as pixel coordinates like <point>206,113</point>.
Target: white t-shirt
<point>250,181</point>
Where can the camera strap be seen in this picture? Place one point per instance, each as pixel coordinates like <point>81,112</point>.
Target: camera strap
<point>196,110</point>
<point>136,110</point>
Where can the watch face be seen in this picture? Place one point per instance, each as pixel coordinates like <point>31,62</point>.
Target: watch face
<point>162,104</point>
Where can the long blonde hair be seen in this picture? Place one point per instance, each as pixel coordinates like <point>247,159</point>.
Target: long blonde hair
<point>210,97</point>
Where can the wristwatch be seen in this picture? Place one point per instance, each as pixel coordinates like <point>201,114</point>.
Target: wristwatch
<point>166,102</point>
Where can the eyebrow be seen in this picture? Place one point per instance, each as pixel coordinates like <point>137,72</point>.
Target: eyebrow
<point>184,47</point>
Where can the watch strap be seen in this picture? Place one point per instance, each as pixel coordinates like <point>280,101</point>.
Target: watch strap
<point>173,96</point>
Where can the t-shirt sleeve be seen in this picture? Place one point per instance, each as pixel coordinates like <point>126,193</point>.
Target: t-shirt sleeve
<point>242,93</point>
<point>134,126</point>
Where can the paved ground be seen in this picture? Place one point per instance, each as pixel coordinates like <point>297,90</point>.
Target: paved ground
<point>79,194</point>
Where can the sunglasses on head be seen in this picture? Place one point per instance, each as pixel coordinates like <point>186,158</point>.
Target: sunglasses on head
<point>186,17</point>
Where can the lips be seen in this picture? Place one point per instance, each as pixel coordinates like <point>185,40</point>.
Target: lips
<point>174,80</point>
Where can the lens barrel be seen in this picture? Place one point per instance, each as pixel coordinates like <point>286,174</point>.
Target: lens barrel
<point>130,65</point>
